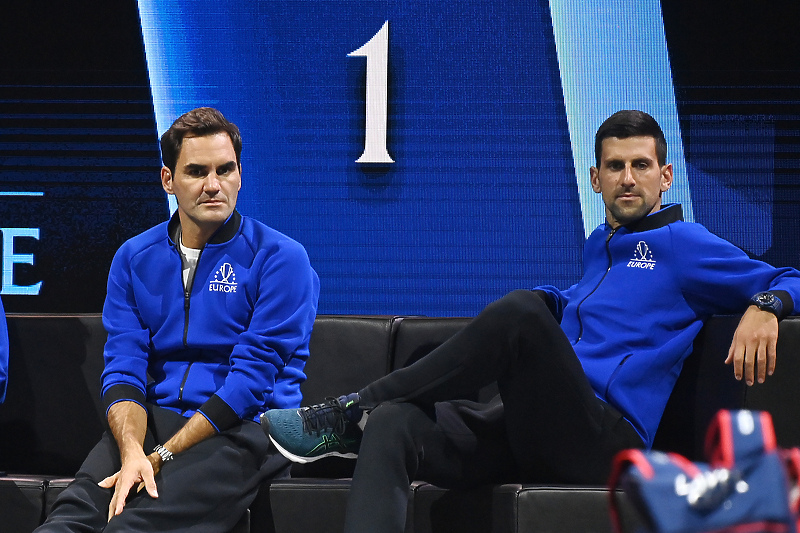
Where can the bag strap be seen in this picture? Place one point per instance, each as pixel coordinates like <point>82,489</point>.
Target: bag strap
<point>640,460</point>
<point>791,459</point>
<point>736,436</point>
<point>622,461</point>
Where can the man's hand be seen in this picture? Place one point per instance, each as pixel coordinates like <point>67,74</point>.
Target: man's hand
<point>754,347</point>
<point>128,423</point>
<point>139,471</point>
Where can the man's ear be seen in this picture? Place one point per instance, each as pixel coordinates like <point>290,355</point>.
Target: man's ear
<point>666,177</point>
<point>166,180</point>
<point>594,176</point>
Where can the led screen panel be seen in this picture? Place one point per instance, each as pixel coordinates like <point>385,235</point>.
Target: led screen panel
<point>431,156</point>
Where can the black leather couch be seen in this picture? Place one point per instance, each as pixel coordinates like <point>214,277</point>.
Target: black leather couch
<point>52,417</point>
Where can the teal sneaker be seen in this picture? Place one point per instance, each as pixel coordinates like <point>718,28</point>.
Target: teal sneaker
<point>310,433</point>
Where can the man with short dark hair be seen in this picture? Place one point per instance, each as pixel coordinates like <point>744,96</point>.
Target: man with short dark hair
<point>582,373</point>
<point>209,317</point>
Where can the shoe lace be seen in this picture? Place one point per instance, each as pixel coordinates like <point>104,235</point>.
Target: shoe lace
<point>323,417</point>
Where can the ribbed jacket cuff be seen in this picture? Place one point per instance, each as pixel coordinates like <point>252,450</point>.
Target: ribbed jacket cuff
<point>122,393</point>
<point>786,300</point>
<point>219,413</point>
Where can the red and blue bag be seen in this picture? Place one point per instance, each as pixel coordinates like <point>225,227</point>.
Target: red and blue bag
<point>747,486</point>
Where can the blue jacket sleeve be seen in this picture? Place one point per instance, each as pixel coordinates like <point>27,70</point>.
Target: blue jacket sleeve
<point>555,298</point>
<point>3,354</point>
<point>720,278</point>
<point>275,340</point>
<point>126,350</point>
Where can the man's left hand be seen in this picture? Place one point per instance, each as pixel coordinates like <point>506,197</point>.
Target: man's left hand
<point>754,347</point>
<point>139,472</point>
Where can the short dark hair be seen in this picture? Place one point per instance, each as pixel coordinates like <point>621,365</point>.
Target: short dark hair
<point>197,123</point>
<point>630,123</point>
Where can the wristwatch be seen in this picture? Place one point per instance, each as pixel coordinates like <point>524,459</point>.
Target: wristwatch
<point>766,301</point>
<point>165,454</point>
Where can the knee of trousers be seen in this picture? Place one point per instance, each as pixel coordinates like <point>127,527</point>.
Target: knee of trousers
<point>515,307</point>
<point>391,429</point>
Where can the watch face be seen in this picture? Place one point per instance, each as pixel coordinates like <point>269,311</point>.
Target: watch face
<point>766,298</point>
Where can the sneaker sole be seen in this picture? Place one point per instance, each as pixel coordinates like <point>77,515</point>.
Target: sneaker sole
<point>303,460</point>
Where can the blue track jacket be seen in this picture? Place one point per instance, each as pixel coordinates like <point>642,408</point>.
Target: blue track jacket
<point>232,344</point>
<point>647,288</point>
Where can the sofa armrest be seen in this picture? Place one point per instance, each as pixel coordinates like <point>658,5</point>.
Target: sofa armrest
<point>780,393</point>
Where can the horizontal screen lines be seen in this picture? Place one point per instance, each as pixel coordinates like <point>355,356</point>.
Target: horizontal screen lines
<point>91,141</point>
<point>33,131</point>
<point>738,102</point>
<point>71,147</point>
<point>56,87</point>
<point>758,87</point>
<point>423,258</point>
<point>21,193</point>
<point>27,161</point>
<point>75,116</point>
<point>79,101</point>
<point>96,176</point>
<point>81,195</point>
<point>85,98</point>
<point>71,154</point>
<point>110,122</point>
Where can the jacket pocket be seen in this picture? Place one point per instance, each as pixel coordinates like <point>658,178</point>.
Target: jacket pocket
<point>614,374</point>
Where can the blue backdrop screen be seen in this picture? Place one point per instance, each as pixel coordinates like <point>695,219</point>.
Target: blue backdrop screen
<point>429,155</point>
<point>481,197</point>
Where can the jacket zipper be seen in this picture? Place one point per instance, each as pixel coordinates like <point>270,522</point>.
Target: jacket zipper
<point>578,310</point>
<point>187,293</point>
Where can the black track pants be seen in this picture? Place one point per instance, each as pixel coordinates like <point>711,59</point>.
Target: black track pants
<point>549,427</point>
<point>204,489</point>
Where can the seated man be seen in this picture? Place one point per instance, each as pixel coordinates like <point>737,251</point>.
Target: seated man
<point>209,317</point>
<point>582,373</point>
<point>3,354</point>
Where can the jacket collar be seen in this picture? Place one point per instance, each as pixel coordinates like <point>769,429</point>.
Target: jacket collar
<point>225,232</point>
<point>668,214</point>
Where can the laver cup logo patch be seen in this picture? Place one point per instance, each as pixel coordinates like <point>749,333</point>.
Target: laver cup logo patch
<point>224,279</point>
<point>642,257</point>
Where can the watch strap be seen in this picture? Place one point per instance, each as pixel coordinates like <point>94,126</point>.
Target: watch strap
<point>165,454</point>
<point>767,301</point>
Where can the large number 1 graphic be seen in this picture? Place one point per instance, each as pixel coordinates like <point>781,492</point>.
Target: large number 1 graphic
<point>376,50</point>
